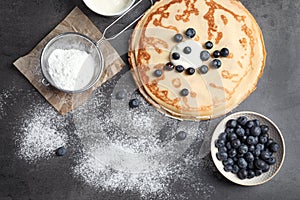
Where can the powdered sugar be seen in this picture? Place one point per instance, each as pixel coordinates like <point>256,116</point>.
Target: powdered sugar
<point>121,149</point>
<point>4,96</point>
<point>41,133</point>
<point>71,69</point>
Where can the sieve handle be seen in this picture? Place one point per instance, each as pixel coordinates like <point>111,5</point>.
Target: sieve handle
<point>122,31</point>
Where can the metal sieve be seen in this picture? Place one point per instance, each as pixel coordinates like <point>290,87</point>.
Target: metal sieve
<point>71,40</point>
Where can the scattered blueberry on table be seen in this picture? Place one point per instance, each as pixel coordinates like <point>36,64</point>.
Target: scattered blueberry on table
<point>181,135</point>
<point>61,151</point>
<point>134,103</point>
<point>245,148</point>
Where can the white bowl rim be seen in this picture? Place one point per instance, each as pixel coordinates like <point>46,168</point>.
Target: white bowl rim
<point>89,5</point>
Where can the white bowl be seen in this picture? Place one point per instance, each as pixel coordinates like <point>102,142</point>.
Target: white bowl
<point>108,7</point>
<point>274,133</point>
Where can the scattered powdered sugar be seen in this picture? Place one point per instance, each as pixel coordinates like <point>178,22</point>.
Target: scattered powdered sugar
<point>41,133</point>
<point>121,149</point>
<point>4,96</point>
<point>135,149</point>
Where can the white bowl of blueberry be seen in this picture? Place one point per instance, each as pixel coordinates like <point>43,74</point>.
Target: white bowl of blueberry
<point>247,148</point>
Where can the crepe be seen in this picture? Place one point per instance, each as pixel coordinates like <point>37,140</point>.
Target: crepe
<point>227,24</point>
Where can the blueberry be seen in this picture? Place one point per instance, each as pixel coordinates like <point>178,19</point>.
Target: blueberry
<point>236,143</point>
<point>251,148</point>
<point>264,128</point>
<point>256,122</point>
<point>121,94</point>
<point>232,153</point>
<point>260,146</point>
<point>187,50</point>
<point>190,33</point>
<point>61,151</point>
<point>251,174</point>
<point>204,55</point>
<point>243,149</point>
<point>250,140</point>
<point>179,68</point>
<point>249,157</point>
<point>269,142</point>
<point>228,168</point>
<point>181,135</point>
<point>260,164</point>
<point>222,156</point>
<point>158,73</point>
<point>232,136</point>
<point>229,161</point>
<point>169,66</point>
<point>178,37</point>
<point>247,131</point>
<point>242,174</point>
<point>255,131</point>
<point>231,123</point>
<point>240,132</point>
<point>220,143</point>
<point>242,163</point>
<point>216,53</point>
<point>235,159</point>
<point>266,168</point>
<point>263,139</point>
<point>250,165</point>
<point>224,52</point>
<point>271,160</point>
<point>134,103</point>
<point>256,152</point>
<point>203,69</point>
<point>265,135</point>
<point>209,45</point>
<point>228,146</point>
<point>235,169</point>
<point>229,130</point>
<point>258,172</point>
<point>176,56</point>
<point>255,140</point>
<point>223,136</point>
<point>216,63</point>
<point>274,147</point>
<point>242,120</point>
<point>265,155</point>
<point>240,155</point>
<point>249,124</point>
<point>190,71</point>
<point>184,92</point>
<point>222,149</point>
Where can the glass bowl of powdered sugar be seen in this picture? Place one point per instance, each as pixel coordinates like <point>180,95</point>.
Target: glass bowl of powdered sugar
<point>71,62</point>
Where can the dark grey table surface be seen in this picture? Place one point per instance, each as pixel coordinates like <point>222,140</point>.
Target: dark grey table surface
<point>24,23</point>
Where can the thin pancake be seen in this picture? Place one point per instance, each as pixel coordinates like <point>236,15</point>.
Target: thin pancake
<point>226,23</point>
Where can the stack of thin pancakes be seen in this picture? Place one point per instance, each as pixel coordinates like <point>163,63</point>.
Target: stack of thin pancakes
<point>227,24</point>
